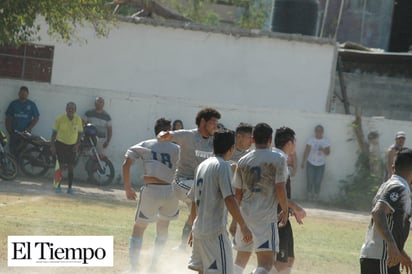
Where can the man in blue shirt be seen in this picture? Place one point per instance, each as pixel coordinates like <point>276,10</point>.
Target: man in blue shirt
<point>21,115</point>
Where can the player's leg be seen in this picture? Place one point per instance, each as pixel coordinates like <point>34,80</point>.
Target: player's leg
<point>195,261</point>
<point>368,266</point>
<point>135,246</point>
<point>168,211</point>
<point>281,262</point>
<point>181,187</point>
<point>241,260</point>
<point>244,250</point>
<point>266,243</point>
<point>146,213</point>
<point>217,254</point>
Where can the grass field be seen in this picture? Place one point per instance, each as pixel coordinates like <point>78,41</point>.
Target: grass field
<point>322,245</point>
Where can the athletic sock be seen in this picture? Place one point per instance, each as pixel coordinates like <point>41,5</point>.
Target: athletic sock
<point>159,245</point>
<point>134,251</point>
<point>288,270</point>
<point>260,270</point>
<point>274,271</point>
<point>237,269</point>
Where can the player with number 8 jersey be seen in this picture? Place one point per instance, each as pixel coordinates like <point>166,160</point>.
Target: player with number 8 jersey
<point>260,186</point>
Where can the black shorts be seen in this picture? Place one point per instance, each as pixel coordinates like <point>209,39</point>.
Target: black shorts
<point>286,244</point>
<point>369,266</point>
<point>65,153</point>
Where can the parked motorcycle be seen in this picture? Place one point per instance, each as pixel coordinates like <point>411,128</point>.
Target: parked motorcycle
<point>8,165</point>
<point>36,159</point>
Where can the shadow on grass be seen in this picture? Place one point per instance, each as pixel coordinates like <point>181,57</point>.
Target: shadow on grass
<point>88,193</point>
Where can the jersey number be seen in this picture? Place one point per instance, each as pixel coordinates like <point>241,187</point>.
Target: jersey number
<point>164,158</point>
<point>199,184</point>
<point>257,172</point>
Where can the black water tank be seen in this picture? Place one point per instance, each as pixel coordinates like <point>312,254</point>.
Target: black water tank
<point>295,16</point>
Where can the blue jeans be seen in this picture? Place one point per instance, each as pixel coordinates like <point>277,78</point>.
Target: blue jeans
<point>314,176</point>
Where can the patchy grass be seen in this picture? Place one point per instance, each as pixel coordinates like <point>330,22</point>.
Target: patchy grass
<point>321,245</point>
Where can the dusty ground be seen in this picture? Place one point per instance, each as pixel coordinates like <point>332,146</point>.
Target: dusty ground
<point>116,192</point>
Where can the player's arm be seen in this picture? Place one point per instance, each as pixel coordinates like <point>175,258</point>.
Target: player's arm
<point>165,136</point>
<point>305,155</point>
<point>281,195</point>
<point>297,210</point>
<point>238,197</point>
<point>130,193</point>
<point>233,208</point>
<point>192,217</point>
<point>406,262</point>
<point>379,213</point>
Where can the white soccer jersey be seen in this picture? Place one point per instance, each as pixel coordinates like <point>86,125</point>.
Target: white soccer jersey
<point>212,185</point>
<point>195,149</point>
<point>257,173</point>
<point>159,158</point>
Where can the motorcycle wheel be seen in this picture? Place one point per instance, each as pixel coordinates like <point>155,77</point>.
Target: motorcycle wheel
<point>8,167</point>
<point>33,162</point>
<point>100,177</point>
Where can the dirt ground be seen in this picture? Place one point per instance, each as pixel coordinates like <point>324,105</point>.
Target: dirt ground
<point>115,192</point>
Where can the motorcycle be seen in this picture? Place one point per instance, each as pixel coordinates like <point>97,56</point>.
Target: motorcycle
<point>36,159</point>
<point>8,165</point>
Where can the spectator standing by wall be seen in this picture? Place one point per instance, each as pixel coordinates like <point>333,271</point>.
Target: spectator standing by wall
<point>314,157</point>
<point>102,121</point>
<point>21,115</point>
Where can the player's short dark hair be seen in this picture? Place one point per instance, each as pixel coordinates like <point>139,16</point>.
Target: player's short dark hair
<point>283,135</point>
<point>244,128</point>
<point>207,114</point>
<point>403,161</point>
<point>262,133</point>
<point>162,124</point>
<point>223,140</point>
<point>24,88</point>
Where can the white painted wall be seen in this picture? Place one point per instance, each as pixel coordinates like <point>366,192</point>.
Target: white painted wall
<point>146,72</point>
<point>276,72</point>
<point>134,114</point>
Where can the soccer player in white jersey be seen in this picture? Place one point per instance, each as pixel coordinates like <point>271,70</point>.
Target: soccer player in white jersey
<point>243,141</point>
<point>196,146</point>
<point>260,186</point>
<point>212,191</point>
<point>157,201</point>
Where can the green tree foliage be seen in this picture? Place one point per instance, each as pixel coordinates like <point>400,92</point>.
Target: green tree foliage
<point>19,19</point>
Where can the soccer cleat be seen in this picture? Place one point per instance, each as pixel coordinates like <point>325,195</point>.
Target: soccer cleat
<point>70,191</point>
<point>58,189</point>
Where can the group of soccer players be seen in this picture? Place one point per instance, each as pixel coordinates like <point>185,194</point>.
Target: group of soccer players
<point>214,171</point>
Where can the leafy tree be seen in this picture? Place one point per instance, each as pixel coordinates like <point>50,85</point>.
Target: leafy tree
<point>19,19</point>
